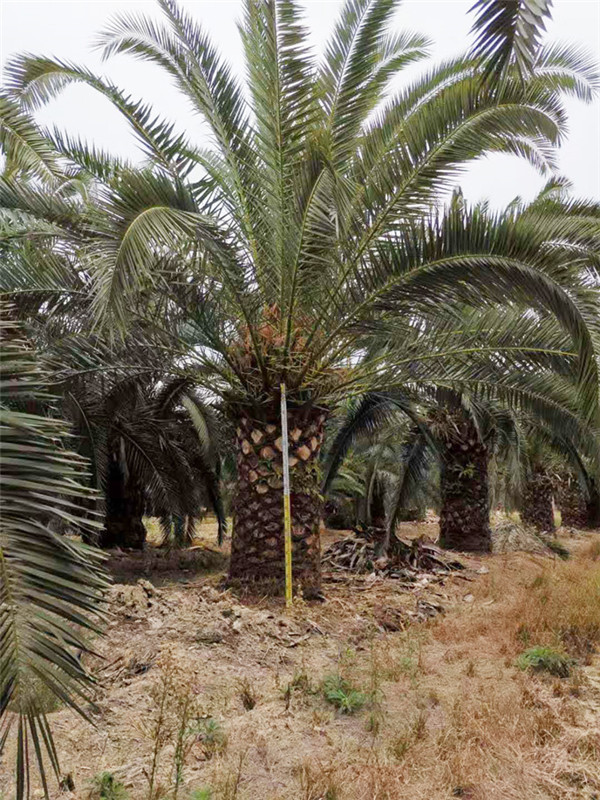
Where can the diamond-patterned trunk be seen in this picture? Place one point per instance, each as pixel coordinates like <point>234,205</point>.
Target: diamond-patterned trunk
<point>257,547</point>
<point>571,502</point>
<point>537,500</point>
<point>593,506</point>
<point>465,517</point>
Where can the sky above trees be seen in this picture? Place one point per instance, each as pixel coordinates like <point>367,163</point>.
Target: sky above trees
<point>67,29</point>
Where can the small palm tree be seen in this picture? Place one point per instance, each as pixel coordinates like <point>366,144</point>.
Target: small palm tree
<point>304,234</point>
<point>155,449</point>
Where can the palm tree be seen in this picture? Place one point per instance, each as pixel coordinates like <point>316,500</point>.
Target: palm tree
<point>151,439</point>
<point>570,499</point>
<point>155,448</point>
<point>373,439</point>
<point>286,250</point>
<point>573,467</point>
<point>531,397</point>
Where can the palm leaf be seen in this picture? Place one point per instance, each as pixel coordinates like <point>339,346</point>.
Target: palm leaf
<point>508,30</point>
<point>50,587</point>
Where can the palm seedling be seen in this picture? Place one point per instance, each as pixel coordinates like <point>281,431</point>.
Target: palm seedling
<point>286,249</point>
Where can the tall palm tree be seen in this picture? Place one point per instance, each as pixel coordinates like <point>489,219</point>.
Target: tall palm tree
<point>297,238</point>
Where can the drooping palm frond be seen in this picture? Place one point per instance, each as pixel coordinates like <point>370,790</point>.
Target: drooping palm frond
<point>50,586</point>
<point>418,459</point>
<point>24,146</point>
<point>509,30</point>
<point>364,417</point>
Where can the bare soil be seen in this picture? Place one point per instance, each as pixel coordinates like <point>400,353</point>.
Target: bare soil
<point>446,711</point>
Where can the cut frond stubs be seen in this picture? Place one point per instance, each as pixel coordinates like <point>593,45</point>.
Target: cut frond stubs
<point>271,351</point>
<point>50,586</point>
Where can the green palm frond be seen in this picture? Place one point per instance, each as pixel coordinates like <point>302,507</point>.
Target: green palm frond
<point>417,460</point>
<point>50,586</point>
<point>24,146</point>
<point>33,82</point>
<point>508,30</point>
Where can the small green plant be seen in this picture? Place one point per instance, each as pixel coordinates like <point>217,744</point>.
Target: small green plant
<point>205,793</point>
<point>560,550</point>
<point>210,732</point>
<point>340,693</point>
<point>106,787</point>
<point>546,659</point>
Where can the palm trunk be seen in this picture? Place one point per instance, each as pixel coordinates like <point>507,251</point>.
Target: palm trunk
<point>257,547</point>
<point>593,507</point>
<point>465,517</point>
<point>571,502</point>
<point>537,501</point>
<point>123,525</point>
<point>377,515</point>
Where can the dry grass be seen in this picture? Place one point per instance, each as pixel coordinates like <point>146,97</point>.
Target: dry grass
<point>592,550</point>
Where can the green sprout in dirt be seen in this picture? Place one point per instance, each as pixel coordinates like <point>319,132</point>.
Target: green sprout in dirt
<point>340,693</point>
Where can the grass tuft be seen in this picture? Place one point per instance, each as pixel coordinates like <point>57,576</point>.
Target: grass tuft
<point>546,659</point>
<point>559,549</point>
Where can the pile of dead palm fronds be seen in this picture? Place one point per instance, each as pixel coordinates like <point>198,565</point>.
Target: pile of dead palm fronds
<point>405,559</point>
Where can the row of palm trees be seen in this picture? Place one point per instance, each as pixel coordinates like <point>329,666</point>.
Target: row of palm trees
<point>307,244</point>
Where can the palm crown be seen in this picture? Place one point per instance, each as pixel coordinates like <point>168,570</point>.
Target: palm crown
<point>297,224</point>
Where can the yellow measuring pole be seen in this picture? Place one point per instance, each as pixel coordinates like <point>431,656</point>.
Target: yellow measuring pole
<point>287,509</point>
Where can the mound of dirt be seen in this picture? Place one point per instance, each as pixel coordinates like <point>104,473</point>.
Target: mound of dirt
<point>154,560</point>
<point>508,537</point>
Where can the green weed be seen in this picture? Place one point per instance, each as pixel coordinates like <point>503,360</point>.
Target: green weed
<point>106,787</point>
<point>210,732</point>
<point>340,693</point>
<point>546,659</point>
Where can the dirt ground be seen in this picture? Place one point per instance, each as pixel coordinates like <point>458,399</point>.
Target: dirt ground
<point>440,708</point>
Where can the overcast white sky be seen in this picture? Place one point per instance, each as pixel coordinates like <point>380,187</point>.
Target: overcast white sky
<point>66,28</point>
